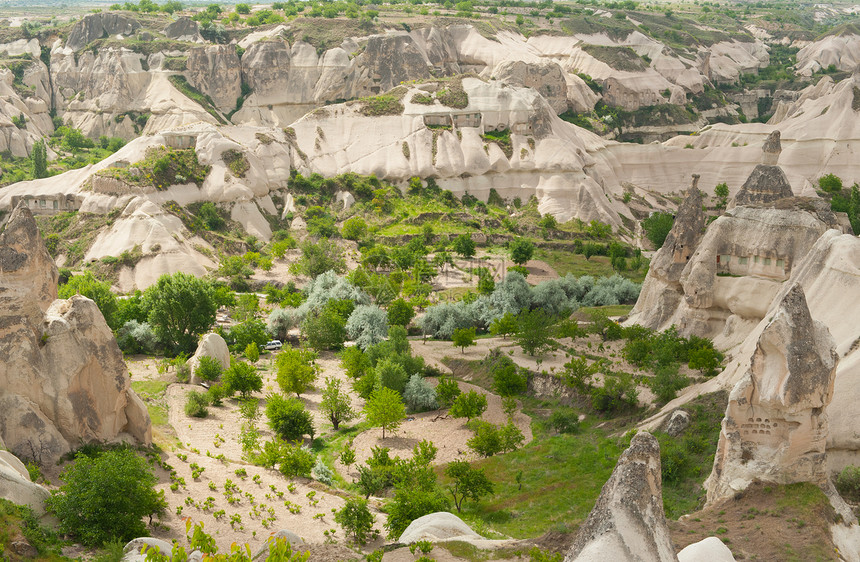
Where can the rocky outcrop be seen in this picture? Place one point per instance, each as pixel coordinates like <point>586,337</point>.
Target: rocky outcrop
<point>546,77</point>
<point>775,428</point>
<point>662,291</point>
<point>767,182</point>
<point>15,484</point>
<point>216,71</point>
<point>97,26</point>
<point>842,51</point>
<point>63,381</point>
<point>438,526</point>
<point>627,523</point>
<point>211,345</point>
<point>710,549</point>
<point>183,29</point>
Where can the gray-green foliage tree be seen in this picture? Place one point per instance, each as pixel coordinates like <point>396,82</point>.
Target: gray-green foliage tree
<point>335,402</point>
<point>419,395</point>
<point>181,308</point>
<point>367,325</point>
<point>104,498</point>
<point>467,483</point>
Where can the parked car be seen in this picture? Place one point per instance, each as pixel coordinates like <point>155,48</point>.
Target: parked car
<point>273,345</point>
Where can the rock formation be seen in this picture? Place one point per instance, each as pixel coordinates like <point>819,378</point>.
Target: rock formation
<point>662,291</point>
<point>627,523</point>
<point>710,549</point>
<point>96,26</point>
<point>546,77</point>
<point>211,345</point>
<point>15,484</point>
<point>767,182</point>
<point>438,526</point>
<point>183,29</point>
<point>62,378</point>
<point>216,71</point>
<point>775,427</point>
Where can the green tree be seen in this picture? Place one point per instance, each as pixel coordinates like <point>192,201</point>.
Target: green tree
<point>830,183</point>
<point>252,352</point>
<point>706,359</point>
<point>391,374</point>
<point>40,160</point>
<point>243,9</point>
<point>247,307</point>
<point>464,245</point>
<point>385,409</point>
<point>400,313</point>
<point>325,329</point>
<point>354,229</point>
<point>467,483</point>
<point>208,369</point>
<point>181,308</point>
<point>288,418</point>
<point>319,257</point>
<point>504,325</point>
<point>721,192</point>
<point>657,227</point>
<point>296,370</point>
<point>243,378</point>
<point>335,403</point>
<point>355,519</point>
<point>508,380</point>
<point>104,498</point>
<point>447,391</point>
<point>99,291</point>
<point>854,209</point>
<point>463,338</point>
<point>535,330</point>
<point>469,405</point>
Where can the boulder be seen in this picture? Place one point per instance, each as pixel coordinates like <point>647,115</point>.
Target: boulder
<point>710,549</point>
<point>285,534</point>
<point>183,29</point>
<point>211,345</point>
<point>438,526</point>
<point>132,552</point>
<point>775,428</point>
<point>678,423</point>
<point>96,26</point>
<point>627,523</point>
<point>63,381</point>
<point>15,484</point>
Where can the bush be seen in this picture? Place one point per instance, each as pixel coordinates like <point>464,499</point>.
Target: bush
<point>208,369</point>
<point>508,380</point>
<point>419,395</point>
<point>296,460</point>
<point>354,229</point>
<point>325,329</point>
<point>242,377</point>
<point>657,227</point>
<point>355,519</point>
<point>447,391</point>
<point>830,183</point>
<point>322,473</point>
<point>667,382</point>
<point>136,337</point>
<point>564,420</point>
<point>469,405</point>
<point>618,392</point>
<point>196,404</point>
<point>288,418</point>
<point>848,483</point>
<point>104,498</point>
<point>410,504</point>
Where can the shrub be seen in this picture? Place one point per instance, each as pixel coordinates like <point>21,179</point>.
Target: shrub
<point>657,227</point>
<point>419,395</point>
<point>354,229</point>
<point>136,337</point>
<point>356,519</point>
<point>196,404</point>
<point>104,498</point>
<point>848,483</point>
<point>447,391</point>
<point>322,473</point>
<point>400,313</point>
<point>830,183</point>
<point>288,418</point>
<point>564,420</point>
<point>296,460</point>
<point>486,441</point>
<point>325,329</point>
<point>208,369</point>
<point>469,405</point>
<point>618,392</point>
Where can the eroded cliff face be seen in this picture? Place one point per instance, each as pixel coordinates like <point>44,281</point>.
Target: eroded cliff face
<point>775,428</point>
<point>63,381</point>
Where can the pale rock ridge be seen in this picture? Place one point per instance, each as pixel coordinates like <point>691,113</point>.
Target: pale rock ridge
<point>95,26</point>
<point>627,524</point>
<point>183,29</point>
<point>33,109</point>
<point>546,77</point>
<point>62,378</point>
<point>16,486</point>
<point>842,51</point>
<point>662,291</point>
<point>775,428</point>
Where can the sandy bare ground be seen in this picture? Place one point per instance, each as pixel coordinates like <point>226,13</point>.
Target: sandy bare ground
<point>204,440</point>
<point>459,275</point>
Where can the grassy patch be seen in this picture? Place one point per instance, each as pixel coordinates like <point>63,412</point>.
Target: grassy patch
<point>619,58</point>
<point>561,479</point>
<point>18,520</point>
<point>162,167</point>
<point>149,389</point>
<point>565,261</point>
<point>611,310</point>
<point>502,139</point>
<point>386,104</point>
<point>236,162</point>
